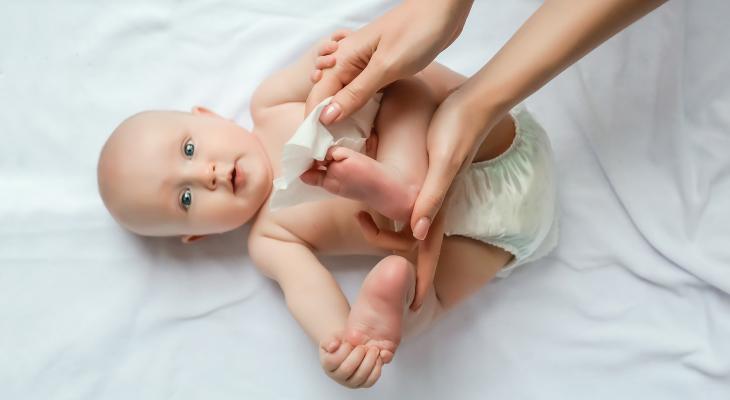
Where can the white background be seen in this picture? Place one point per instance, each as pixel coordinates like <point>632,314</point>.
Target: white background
<point>634,303</point>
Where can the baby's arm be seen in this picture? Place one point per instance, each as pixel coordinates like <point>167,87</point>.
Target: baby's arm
<point>315,300</point>
<point>292,83</point>
<point>312,294</point>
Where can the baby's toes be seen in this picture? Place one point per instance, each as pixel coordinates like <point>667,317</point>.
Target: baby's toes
<point>312,177</point>
<point>332,183</point>
<point>338,153</point>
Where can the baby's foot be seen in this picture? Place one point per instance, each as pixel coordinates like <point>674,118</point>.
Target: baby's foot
<point>356,176</point>
<point>376,317</point>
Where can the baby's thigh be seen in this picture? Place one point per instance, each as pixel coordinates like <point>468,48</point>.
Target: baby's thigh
<point>402,124</point>
<point>465,265</point>
<point>410,97</point>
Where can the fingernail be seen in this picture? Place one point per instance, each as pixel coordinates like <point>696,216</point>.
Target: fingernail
<point>421,229</point>
<point>330,113</point>
<point>333,346</point>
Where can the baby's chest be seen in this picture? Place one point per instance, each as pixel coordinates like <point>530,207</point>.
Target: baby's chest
<point>329,226</point>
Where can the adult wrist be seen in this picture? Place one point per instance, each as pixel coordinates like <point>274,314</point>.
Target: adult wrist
<point>480,107</point>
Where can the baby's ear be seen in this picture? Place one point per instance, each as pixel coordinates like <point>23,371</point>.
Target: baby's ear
<point>200,110</point>
<point>187,239</point>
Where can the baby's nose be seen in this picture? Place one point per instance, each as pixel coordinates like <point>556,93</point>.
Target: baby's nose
<point>208,176</point>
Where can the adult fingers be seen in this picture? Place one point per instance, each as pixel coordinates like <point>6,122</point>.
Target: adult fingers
<point>441,173</point>
<point>353,96</point>
<point>429,251</point>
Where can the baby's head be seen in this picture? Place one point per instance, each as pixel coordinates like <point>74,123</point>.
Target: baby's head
<point>169,173</point>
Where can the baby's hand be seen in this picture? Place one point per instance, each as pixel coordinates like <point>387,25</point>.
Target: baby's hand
<point>325,51</point>
<point>357,367</point>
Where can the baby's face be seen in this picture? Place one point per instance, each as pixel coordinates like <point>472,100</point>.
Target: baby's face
<point>165,173</point>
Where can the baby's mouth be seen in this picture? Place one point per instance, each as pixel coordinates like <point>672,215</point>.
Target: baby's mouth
<point>233,179</point>
<point>238,177</point>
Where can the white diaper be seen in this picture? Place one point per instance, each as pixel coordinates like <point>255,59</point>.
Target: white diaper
<point>510,201</point>
<point>310,142</point>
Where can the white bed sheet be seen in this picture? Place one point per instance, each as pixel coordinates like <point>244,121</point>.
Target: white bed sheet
<point>634,303</point>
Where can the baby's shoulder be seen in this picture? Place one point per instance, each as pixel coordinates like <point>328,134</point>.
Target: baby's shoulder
<point>267,225</point>
<point>322,226</point>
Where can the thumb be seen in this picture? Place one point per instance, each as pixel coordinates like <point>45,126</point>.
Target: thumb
<point>438,180</point>
<point>353,96</point>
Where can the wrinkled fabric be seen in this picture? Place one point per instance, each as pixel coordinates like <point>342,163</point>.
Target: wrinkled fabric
<point>510,200</point>
<point>310,142</point>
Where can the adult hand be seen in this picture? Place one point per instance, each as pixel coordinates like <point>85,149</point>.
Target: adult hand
<point>454,136</point>
<point>399,43</point>
<point>548,42</point>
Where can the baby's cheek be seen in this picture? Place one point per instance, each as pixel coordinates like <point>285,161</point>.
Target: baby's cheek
<point>215,213</point>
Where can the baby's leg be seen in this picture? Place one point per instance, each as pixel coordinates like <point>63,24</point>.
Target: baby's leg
<point>376,317</point>
<point>465,265</point>
<point>380,316</point>
<point>390,184</point>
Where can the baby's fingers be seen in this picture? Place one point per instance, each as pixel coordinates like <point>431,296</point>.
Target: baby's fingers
<point>349,366</point>
<point>315,75</point>
<point>365,368</point>
<point>327,47</point>
<point>340,34</point>
<point>332,360</point>
<point>324,62</point>
<point>382,238</point>
<point>374,374</point>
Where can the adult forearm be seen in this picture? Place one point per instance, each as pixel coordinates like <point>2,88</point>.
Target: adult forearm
<point>558,34</point>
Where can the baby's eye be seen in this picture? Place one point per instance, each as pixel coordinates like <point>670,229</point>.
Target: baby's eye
<point>186,199</point>
<point>189,149</point>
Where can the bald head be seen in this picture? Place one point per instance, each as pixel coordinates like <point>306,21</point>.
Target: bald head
<point>168,173</point>
<point>126,166</point>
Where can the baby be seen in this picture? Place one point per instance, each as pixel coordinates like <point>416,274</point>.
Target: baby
<point>166,173</point>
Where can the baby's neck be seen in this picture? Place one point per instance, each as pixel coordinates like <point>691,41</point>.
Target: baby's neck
<point>267,161</point>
